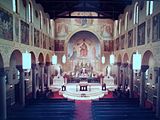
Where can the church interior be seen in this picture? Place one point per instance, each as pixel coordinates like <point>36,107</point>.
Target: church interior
<point>79,59</point>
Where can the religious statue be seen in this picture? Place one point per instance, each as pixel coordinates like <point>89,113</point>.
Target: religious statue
<point>108,70</point>
<point>59,71</point>
<point>83,49</point>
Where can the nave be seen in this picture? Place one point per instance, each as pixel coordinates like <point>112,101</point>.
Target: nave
<point>81,50</point>
<point>62,109</point>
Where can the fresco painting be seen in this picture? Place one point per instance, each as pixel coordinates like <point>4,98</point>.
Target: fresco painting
<point>16,29</point>
<point>156,28</point>
<point>24,33</point>
<point>6,25</point>
<point>36,38</point>
<point>59,45</point>
<point>122,41</point>
<point>141,34</point>
<point>130,39</point>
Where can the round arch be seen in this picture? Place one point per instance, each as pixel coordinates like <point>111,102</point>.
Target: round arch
<point>84,48</point>
<point>16,58</point>
<point>148,58</point>
<point>119,58</point>
<point>33,58</point>
<point>79,30</point>
<point>41,58</point>
<point>125,58</point>
<point>48,59</point>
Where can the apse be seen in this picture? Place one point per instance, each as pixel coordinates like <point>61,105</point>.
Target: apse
<point>84,50</point>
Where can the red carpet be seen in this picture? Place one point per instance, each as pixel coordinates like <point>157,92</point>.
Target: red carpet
<point>150,105</point>
<point>56,95</point>
<point>109,95</point>
<point>83,110</point>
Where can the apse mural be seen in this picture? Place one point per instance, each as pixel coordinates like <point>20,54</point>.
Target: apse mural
<point>141,34</point>
<point>24,33</point>
<point>84,50</point>
<point>6,25</point>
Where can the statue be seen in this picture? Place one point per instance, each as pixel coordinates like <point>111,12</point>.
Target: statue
<point>59,69</point>
<point>108,70</point>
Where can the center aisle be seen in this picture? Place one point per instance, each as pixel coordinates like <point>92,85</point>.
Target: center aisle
<point>83,110</point>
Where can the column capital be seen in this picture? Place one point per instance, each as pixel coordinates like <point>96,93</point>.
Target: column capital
<point>48,63</point>
<point>19,67</point>
<point>2,72</point>
<point>118,64</point>
<point>125,64</point>
<point>41,64</point>
<point>130,66</point>
<point>34,66</point>
<point>144,68</point>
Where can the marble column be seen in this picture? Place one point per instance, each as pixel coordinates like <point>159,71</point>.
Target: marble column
<point>142,84</point>
<point>65,79</point>
<point>22,85</point>
<point>124,76</point>
<point>34,81</point>
<point>48,65</point>
<point>119,71</point>
<point>158,97</point>
<point>3,111</point>
<point>131,80</point>
<point>42,76</point>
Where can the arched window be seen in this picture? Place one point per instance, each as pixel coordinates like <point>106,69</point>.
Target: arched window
<point>119,30</point>
<point>149,7</point>
<point>115,28</point>
<point>52,27</point>
<point>47,26</point>
<point>41,20</point>
<point>136,13</point>
<point>30,12</point>
<point>126,21</point>
<point>15,4</point>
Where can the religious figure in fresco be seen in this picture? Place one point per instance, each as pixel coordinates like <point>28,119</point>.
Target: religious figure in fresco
<point>94,52</point>
<point>74,54</point>
<point>83,49</point>
<point>62,30</point>
<point>106,31</point>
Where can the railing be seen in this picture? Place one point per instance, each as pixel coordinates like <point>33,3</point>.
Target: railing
<point>89,80</point>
